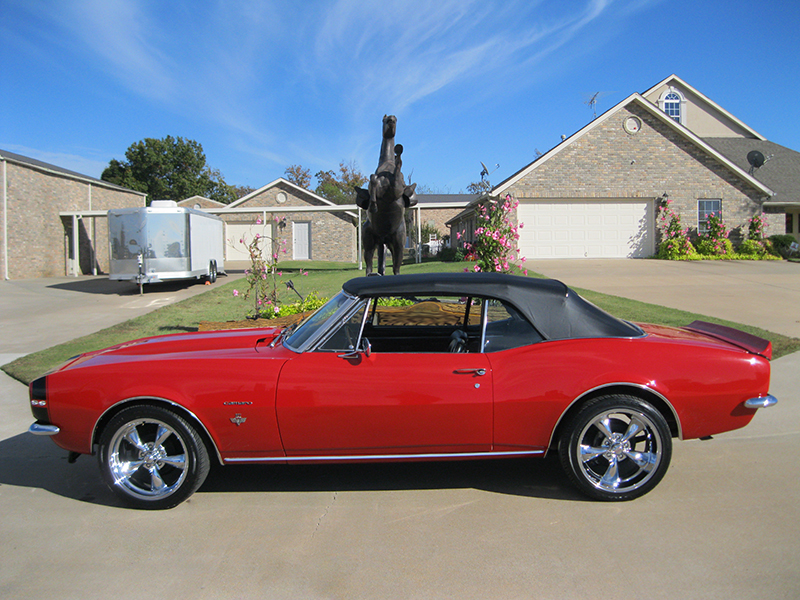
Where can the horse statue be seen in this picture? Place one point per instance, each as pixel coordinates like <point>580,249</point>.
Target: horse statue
<point>386,200</point>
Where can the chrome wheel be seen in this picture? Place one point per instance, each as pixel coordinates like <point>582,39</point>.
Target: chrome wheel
<point>152,458</point>
<point>616,448</point>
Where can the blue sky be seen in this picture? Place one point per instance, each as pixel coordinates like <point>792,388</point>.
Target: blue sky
<point>263,85</point>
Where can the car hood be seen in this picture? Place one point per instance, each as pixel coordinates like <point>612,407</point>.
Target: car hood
<point>216,342</point>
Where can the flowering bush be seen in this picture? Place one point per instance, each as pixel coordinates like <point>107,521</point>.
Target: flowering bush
<point>261,276</point>
<point>495,238</point>
<point>675,244</point>
<point>715,241</point>
<point>755,228</point>
<point>756,246</point>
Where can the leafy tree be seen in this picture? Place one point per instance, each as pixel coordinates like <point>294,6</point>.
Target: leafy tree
<point>479,187</point>
<point>298,176</point>
<point>168,169</point>
<point>340,188</point>
<point>240,191</point>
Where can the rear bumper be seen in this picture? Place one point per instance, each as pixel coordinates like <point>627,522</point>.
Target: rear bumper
<point>762,402</point>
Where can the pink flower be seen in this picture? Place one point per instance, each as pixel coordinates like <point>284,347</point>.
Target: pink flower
<point>258,221</point>
<point>235,293</point>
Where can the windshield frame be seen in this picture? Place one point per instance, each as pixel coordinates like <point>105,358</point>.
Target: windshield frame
<point>310,331</point>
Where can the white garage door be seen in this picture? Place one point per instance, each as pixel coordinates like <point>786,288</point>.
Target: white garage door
<point>234,232</point>
<point>586,229</point>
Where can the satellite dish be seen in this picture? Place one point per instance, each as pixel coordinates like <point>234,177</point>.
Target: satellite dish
<point>756,159</point>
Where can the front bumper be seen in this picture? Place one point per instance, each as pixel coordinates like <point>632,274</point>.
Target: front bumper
<point>43,429</point>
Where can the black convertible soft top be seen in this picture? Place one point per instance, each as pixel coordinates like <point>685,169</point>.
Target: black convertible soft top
<point>555,310</point>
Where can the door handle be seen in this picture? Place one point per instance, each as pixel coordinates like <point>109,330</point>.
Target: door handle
<point>478,372</point>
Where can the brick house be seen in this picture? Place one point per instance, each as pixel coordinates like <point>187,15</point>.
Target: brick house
<point>305,225</point>
<point>596,194</point>
<point>52,220</point>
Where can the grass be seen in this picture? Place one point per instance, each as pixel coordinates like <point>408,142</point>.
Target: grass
<point>219,304</point>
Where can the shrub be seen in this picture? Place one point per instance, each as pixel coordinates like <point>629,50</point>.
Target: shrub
<point>714,247</point>
<point>495,237</point>
<point>755,228</point>
<point>715,242</point>
<point>675,244</point>
<point>781,243</point>
<point>451,254</point>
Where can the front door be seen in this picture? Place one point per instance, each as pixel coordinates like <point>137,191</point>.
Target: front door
<point>386,403</point>
<point>302,240</point>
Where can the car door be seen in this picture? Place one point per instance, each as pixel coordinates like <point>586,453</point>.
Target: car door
<point>411,402</point>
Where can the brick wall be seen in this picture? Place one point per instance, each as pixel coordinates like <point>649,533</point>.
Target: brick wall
<point>333,235</point>
<point>608,162</point>
<point>38,238</point>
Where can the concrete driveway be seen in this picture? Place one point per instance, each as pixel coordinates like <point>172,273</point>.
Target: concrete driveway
<point>765,294</point>
<point>724,523</point>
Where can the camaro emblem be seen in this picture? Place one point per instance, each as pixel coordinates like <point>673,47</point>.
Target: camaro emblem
<point>238,419</point>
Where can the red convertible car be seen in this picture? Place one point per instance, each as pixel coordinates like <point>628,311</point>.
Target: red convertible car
<point>408,367</point>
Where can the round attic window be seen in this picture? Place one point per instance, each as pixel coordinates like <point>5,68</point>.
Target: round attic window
<point>632,125</point>
<point>281,197</point>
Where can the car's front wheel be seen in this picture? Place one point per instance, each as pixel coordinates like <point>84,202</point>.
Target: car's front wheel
<point>616,448</point>
<point>152,458</point>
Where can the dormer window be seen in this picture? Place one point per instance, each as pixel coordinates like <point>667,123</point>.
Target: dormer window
<point>672,102</point>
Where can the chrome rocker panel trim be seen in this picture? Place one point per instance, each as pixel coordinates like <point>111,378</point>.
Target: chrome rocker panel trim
<point>365,457</point>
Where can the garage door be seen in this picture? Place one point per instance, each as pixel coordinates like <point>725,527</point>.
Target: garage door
<point>586,229</point>
<point>234,232</point>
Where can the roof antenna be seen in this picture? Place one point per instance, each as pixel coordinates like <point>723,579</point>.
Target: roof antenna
<point>591,101</point>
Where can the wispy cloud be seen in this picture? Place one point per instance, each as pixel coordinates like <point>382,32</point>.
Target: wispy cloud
<point>399,53</point>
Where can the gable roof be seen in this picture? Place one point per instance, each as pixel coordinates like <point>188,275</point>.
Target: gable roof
<point>56,170</point>
<point>197,199</point>
<point>672,79</point>
<point>281,180</point>
<point>781,172</point>
<point>642,102</point>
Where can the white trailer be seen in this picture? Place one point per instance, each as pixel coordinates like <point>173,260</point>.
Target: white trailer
<point>164,242</point>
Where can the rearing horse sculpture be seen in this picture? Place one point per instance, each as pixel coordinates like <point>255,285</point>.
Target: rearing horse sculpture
<point>385,201</point>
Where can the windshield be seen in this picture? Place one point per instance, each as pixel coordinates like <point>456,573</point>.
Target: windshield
<point>314,326</point>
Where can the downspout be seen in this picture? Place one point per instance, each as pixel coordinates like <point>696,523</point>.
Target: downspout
<point>5,219</point>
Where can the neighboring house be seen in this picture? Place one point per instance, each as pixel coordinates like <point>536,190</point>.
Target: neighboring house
<point>436,210</point>
<point>596,194</point>
<point>53,221</point>
<point>304,225</point>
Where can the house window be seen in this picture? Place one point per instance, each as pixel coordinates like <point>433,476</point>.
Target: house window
<point>706,208</point>
<point>790,223</point>
<point>671,102</point>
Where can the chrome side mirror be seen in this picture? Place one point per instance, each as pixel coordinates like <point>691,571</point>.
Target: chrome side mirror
<point>364,348</point>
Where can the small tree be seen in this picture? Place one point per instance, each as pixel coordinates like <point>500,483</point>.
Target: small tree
<point>262,275</point>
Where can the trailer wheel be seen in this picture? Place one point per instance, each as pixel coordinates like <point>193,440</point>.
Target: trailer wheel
<point>212,271</point>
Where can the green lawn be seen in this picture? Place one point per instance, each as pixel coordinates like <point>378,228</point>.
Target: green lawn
<point>219,304</point>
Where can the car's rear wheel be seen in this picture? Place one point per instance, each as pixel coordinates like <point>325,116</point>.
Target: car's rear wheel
<point>152,458</point>
<point>616,448</point>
